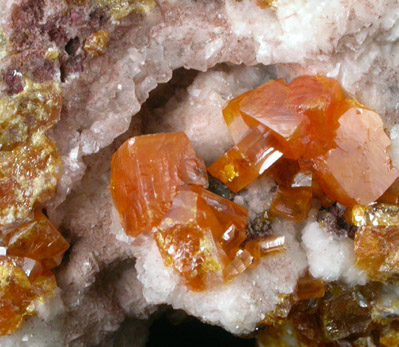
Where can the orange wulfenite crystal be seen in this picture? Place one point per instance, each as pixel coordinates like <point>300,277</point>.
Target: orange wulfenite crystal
<point>38,240</point>
<point>247,160</point>
<point>377,252</point>
<point>146,171</point>
<point>292,203</point>
<point>186,239</point>
<point>19,288</point>
<point>358,170</point>
<point>202,237</point>
<point>339,139</point>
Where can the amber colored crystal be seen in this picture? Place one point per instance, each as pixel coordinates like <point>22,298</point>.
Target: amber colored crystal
<point>343,142</point>
<point>318,193</point>
<point>358,170</point>
<point>28,175</point>
<point>345,311</point>
<point>38,240</point>
<point>247,160</point>
<point>186,239</point>
<point>292,203</point>
<point>272,244</point>
<point>301,114</point>
<point>202,236</point>
<point>309,287</point>
<point>232,217</point>
<point>375,215</point>
<point>95,43</point>
<point>19,289</point>
<point>377,251</point>
<point>146,171</point>
<point>391,195</point>
<point>389,337</point>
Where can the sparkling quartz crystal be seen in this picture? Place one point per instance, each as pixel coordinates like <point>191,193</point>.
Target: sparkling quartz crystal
<point>247,160</point>
<point>38,240</point>
<point>377,252</point>
<point>146,171</point>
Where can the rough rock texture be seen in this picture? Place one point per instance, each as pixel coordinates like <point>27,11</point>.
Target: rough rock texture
<point>353,41</point>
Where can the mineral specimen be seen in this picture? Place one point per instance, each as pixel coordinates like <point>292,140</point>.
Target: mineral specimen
<point>377,251</point>
<point>247,160</point>
<point>292,203</point>
<point>339,139</point>
<point>146,171</point>
<point>38,240</point>
<point>20,287</point>
<point>379,214</point>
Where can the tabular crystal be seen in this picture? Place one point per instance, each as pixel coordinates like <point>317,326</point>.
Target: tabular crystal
<point>146,171</point>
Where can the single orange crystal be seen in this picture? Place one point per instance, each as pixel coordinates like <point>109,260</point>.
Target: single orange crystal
<point>377,252</point>
<point>146,171</point>
<point>38,240</point>
<point>247,160</point>
<point>358,169</point>
<point>292,203</point>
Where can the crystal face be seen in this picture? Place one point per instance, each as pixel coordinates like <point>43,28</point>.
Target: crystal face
<point>340,140</point>
<point>22,281</point>
<point>146,171</point>
<point>247,160</point>
<point>38,240</point>
<point>203,237</point>
<point>377,252</point>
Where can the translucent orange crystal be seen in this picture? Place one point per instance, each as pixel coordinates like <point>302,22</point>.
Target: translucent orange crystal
<point>377,252</point>
<point>339,139</point>
<point>38,240</point>
<point>187,238</point>
<point>202,237</point>
<point>309,287</point>
<point>375,215</point>
<point>146,171</point>
<point>247,160</point>
<point>19,288</point>
<point>292,203</point>
<point>358,170</point>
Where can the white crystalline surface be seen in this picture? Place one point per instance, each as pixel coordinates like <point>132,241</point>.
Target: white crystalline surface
<point>237,306</point>
<point>330,257</point>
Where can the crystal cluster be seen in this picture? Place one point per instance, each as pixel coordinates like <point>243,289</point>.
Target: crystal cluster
<point>333,139</point>
<point>159,184</point>
<point>30,245</point>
